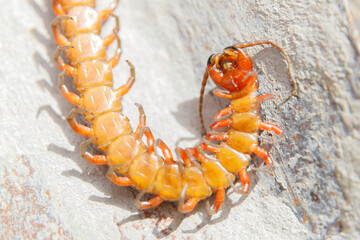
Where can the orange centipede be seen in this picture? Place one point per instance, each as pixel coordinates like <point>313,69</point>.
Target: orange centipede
<point>201,170</point>
<point>211,167</point>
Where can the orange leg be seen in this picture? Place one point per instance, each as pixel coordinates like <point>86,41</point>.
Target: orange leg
<point>270,127</point>
<point>245,180</point>
<point>122,90</point>
<point>70,96</point>
<point>120,181</point>
<point>207,147</point>
<point>165,150</point>
<point>264,155</point>
<point>112,62</point>
<point>223,113</point>
<point>183,156</point>
<point>149,137</point>
<point>154,202</point>
<point>70,71</point>
<point>221,137</point>
<point>221,93</point>
<point>112,36</point>
<point>58,10</point>
<point>104,14</point>
<point>221,124</point>
<point>142,119</point>
<point>264,97</point>
<point>220,196</point>
<point>79,128</point>
<point>97,159</point>
<point>59,37</point>
<point>189,205</point>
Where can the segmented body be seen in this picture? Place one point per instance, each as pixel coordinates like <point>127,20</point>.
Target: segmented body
<point>108,129</point>
<point>196,174</point>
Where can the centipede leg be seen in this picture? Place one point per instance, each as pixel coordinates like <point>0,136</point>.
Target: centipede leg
<point>94,159</point>
<point>78,128</point>
<point>223,113</point>
<point>105,13</point>
<point>264,155</point>
<point>59,37</point>
<point>245,180</point>
<point>142,119</point>
<point>69,70</point>
<point>220,196</point>
<point>189,205</point>
<point>122,90</point>
<point>149,137</point>
<point>112,62</point>
<point>270,127</point>
<point>207,147</point>
<point>165,150</point>
<point>112,36</point>
<point>153,202</point>
<point>220,136</point>
<point>57,8</point>
<point>70,96</point>
<point>120,181</point>
<point>220,124</point>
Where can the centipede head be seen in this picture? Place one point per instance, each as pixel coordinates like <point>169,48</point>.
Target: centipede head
<point>231,70</point>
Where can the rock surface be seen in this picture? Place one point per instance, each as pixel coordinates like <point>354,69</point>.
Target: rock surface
<point>49,191</point>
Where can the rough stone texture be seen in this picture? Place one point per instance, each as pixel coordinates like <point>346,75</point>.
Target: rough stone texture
<point>48,191</point>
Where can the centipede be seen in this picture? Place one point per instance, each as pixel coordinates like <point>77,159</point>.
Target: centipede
<point>134,157</point>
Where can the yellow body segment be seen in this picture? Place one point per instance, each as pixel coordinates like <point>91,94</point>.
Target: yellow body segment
<point>232,160</point>
<point>85,47</point>
<point>244,104</point>
<point>101,99</point>
<point>109,126</point>
<point>168,182</point>
<point>92,74</point>
<point>123,151</point>
<point>245,122</point>
<point>197,185</point>
<point>84,19</point>
<point>67,4</point>
<point>215,174</point>
<point>242,142</point>
<point>143,171</point>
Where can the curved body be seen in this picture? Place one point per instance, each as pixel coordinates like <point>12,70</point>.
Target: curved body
<point>201,170</point>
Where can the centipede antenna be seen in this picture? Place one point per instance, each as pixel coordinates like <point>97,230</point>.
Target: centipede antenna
<point>295,83</point>
<point>201,101</point>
